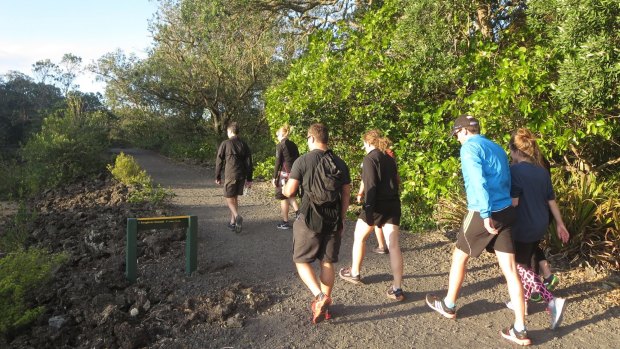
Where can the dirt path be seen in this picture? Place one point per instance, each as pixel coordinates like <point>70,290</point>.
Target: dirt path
<point>260,257</point>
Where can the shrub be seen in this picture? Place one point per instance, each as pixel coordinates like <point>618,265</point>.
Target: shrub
<point>20,273</point>
<point>68,147</point>
<point>264,169</point>
<point>590,214</point>
<point>16,232</point>
<point>127,171</point>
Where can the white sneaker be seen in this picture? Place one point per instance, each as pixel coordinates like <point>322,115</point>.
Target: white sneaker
<point>556,307</point>
<point>509,306</point>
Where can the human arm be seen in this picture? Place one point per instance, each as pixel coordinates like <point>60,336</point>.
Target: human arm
<point>559,223</point>
<point>360,193</point>
<point>345,195</point>
<point>278,164</point>
<point>219,162</point>
<point>290,188</point>
<point>249,165</point>
<point>476,185</point>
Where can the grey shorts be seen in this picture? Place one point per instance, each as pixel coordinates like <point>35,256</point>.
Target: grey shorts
<point>309,246</point>
<point>473,238</point>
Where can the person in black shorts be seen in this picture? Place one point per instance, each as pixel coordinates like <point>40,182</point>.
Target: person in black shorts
<point>381,209</point>
<point>286,154</point>
<point>318,243</point>
<point>237,157</point>
<point>487,224</point>
<point>533,195</point>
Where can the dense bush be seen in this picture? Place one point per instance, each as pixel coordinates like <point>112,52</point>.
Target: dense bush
<point>70,145</point>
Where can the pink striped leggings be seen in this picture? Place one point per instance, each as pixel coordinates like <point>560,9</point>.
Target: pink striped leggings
<point>531,283</point>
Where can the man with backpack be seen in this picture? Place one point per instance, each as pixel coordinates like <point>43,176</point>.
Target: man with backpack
<point>325,186</point>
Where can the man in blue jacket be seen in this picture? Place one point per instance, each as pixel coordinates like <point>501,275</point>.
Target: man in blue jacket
<point>487,224</point>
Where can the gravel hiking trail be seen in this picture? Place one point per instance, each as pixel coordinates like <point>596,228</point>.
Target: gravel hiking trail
<point>259,258</point>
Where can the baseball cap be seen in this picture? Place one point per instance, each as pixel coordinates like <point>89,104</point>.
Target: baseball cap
<point>463,121</point>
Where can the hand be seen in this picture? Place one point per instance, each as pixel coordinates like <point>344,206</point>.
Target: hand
<point>273,182</point>
<point>358,198</point>
<point>563,233</point>
<point>488,224</point>
<point>218,181</point>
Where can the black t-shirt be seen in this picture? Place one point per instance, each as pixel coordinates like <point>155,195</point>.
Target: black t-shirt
<point>286,154</point>
<point>237,156</point>
<point>532,185</point>
<point>380,177</point>
<point>302,170</point>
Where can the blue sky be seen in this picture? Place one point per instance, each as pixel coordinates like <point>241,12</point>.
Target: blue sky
<point>33,30</point>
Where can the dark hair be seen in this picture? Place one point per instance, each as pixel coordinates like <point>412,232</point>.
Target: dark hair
<point>233,127</point>
<point>319,132</point>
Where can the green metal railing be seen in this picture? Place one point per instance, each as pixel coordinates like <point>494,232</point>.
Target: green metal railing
<point>134,225</point>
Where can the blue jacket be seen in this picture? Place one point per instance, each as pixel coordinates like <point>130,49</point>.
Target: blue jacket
<point>487,175</point>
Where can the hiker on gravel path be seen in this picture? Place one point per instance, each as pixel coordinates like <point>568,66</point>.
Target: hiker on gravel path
<point>237,157</point>
<point>317,232</point>
<point>381,209</point>
<point>286,154</point>
<point>487,224</point>
<point>533,196</point>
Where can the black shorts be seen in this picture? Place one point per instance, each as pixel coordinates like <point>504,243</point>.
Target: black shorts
<point>473,237</point>
<point>385,212</point>
<point>233,187</point>
<point>524,251</point>
<point>309,246</point>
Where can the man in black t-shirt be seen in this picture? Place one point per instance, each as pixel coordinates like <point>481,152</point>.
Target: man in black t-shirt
<point>237,157</point>
<point>310,245</point>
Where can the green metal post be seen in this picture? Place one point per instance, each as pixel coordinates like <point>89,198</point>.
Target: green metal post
<point>191,245</point>
<point>131,259</point>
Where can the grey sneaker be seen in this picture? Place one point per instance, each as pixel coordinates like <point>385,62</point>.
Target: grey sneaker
<point>556,310</point>
<point>283,226</point>
<point>238,224</point>
<point>439,306</point>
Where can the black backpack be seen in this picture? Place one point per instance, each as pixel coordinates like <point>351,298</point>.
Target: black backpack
<point>326,181</point>
<point>322,210</point>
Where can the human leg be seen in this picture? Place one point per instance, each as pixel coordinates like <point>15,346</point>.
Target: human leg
<point>392,234</point>
<point>515,289</point>
<point>327,277</point>
<point>458,269</point>
<point>233,205</point>
<point>284,204</point>
<point>381,241</point>
<point>362,230</point>
<point>293,203</point>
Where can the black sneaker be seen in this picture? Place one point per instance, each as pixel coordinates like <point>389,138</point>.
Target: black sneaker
<point>283,226</point>
<point>238,224</point>
<point>397,294</point>
<point>231,226</point>
<point>439,306</point>
<point>518,337</point>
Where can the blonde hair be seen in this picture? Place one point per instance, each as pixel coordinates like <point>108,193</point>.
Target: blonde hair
<point>376,139</point>
<point>524,143</point>
<point>284,130</point>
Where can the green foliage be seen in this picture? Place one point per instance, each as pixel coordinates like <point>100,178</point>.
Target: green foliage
<point>264,169</point>
<point>127,170</point>
<point>20,273</point>
<point>590,214</point>
<point>70,145</point>
<point>16,231</point>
